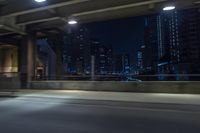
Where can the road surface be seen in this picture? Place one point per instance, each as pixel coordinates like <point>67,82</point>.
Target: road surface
<point>58,115</point>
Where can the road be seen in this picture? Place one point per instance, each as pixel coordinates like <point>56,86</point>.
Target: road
<point>57,115</point>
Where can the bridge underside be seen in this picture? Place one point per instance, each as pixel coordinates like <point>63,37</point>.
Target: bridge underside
<point>23,16</point>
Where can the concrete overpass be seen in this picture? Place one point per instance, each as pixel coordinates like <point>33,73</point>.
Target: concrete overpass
<point>27,15</point>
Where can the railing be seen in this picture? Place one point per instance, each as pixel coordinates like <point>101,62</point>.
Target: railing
<point>138,78</point>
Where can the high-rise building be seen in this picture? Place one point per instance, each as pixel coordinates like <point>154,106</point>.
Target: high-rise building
<point>77,55</point>
<point>178,37</point>
<point>168,42</point>
<point>122,64</point>
<point>178,42</point>
<point>160,52</point>
<point>140,66</point>
<point>118,65</point>
<point>190,41</point>
<point>110,58</point>
<point>103,58</point>
<point>149,49</point>
<point>126,64</point>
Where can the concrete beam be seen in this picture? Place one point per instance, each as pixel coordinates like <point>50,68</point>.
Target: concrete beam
<point>39,21</point>
<point>9,25</point>
<point>7,12</point>
<point>7,33</point>
<point>119,7</point>
<point>47,16</point>
<point>13,29</point>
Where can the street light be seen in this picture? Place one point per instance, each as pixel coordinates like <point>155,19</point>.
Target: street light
<point>39,1</point>
<point>72,22</point>
<point>169,8</point>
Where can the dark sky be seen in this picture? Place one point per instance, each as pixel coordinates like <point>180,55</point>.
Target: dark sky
<point>125,35</point>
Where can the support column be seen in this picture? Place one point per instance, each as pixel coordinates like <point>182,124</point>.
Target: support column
<point>27,60</point>
<point>31,43</point>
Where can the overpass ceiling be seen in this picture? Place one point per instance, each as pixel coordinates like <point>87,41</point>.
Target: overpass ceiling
<point>16,16</point>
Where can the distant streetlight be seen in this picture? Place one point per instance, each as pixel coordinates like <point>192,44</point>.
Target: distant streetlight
<point>169,8</point>
<point>40,1</point>
<point>72,22</point>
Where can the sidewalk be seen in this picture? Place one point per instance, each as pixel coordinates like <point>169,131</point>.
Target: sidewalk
<point>111,96</point>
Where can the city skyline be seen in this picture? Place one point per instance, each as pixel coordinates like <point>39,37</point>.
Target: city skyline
<point>125,35</point>
<point>158,38</point>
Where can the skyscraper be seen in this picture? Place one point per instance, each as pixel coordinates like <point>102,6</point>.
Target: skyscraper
<point>149,49</point>
<point>140,59</point>
<point>178,42</point>
<point>168,42</point>
<point>190,41</point>
<point>110,61</point>
<point>77,55</point>
<point>126,64</point>
<point>103,58</point>
<point>118,65</point>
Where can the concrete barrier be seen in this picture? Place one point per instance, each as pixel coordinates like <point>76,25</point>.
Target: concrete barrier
<point>10,83</point>
<point>149,87</point>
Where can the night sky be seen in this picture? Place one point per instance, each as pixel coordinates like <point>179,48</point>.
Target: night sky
<point>125,35</point>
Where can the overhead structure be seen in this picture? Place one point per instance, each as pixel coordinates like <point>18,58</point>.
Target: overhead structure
<point>18,16</point>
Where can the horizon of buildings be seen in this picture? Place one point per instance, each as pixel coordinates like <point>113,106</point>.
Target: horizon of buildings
<point>171,46</point>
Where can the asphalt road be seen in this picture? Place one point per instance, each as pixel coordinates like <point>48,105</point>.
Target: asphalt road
<point>54,115</point>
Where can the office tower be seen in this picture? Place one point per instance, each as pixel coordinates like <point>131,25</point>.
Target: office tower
<point>77,55</point>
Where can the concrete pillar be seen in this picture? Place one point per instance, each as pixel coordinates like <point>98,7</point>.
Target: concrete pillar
<point>27,60</point>
<point>31,44</point>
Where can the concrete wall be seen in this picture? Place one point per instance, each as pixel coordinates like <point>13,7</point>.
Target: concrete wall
<point>149,87</point>
<point>8,59</point>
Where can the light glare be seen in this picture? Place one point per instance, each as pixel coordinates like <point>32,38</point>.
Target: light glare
<point>40,0</point>
<point>168,8</point>
<point>72,22</point>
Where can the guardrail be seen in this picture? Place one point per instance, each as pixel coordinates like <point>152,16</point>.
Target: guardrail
<point>161,77</point>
